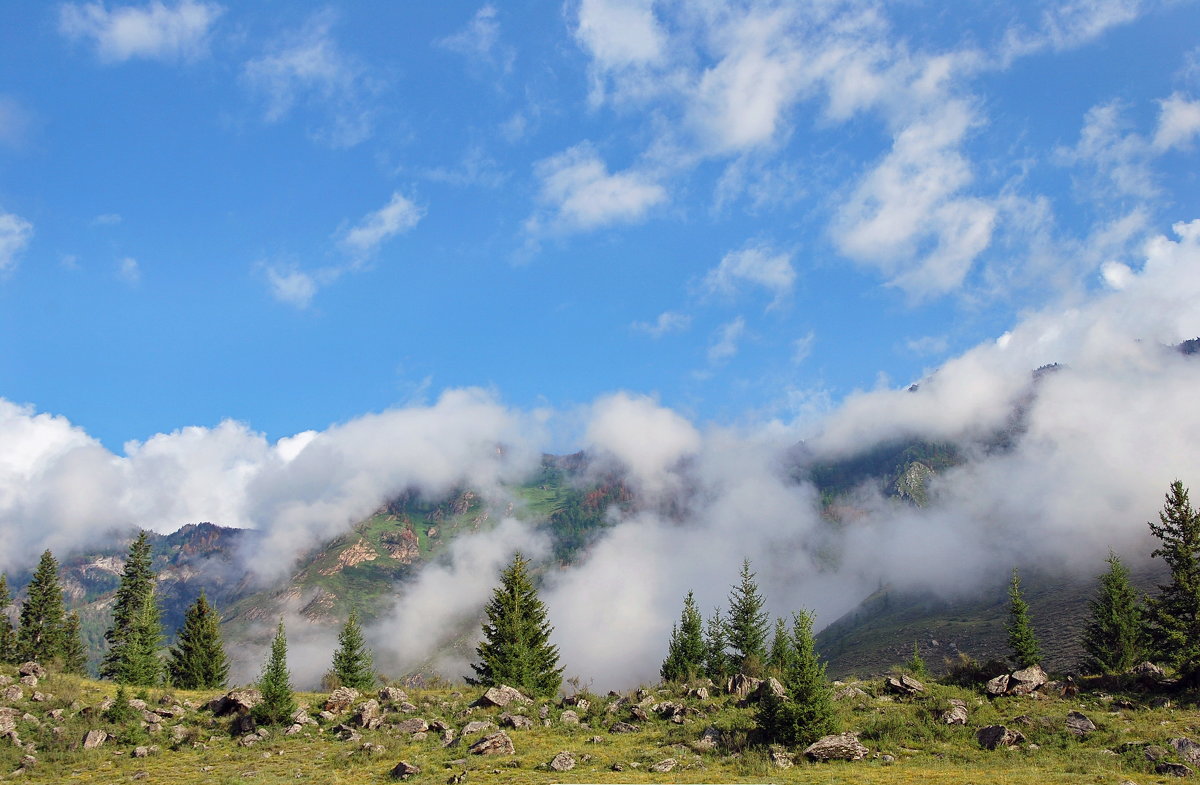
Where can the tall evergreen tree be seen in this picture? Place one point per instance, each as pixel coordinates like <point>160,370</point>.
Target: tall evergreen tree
<point>747,624</point>
<point>916,663</point>
<point>278,700</point>
<point>127,659</point>
<point>1174,615</point>
<point>74,654</point>
<point>685,652</point>
<point>807,713</point>
<point>353,662</point>
<point>8,636</point>
<point>780,656</point>
<point>1114,636</point>
<point>197,660</point>
<point>40,632</point>
<point>516,648</point>
<point>1021,639</point>
<point>717,665</point>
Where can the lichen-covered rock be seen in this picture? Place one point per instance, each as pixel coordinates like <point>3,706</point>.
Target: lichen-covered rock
<point>563,761</point>
<point>997,686</point>
<point>569,717</point>
<point>1026,680</point>
<point>782,760</point>
<point>94,739</point>
<point>369,715</point>
<point>493,744</point>
<point>741,685</point>
<point>341,699</point>
<point>501,696</point>
<point>392,695</point>
<point>956,714</point>
<point>840,746</point>
<point>1079,724</point>
<point>769,686</point>
<point>664,766</point>
<point>1172,770</point>
<point>414,725</point>
<point>31,668</point>
<point>12,693</point>
<point>849,692</point>
<point>403,770</point>
<point>477,726</point>
<point>515,721</point>
<point>1187,749</point>
<point>994,736</point>
<point>904,685</point>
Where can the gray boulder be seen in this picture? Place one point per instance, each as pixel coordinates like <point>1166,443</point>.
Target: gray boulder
<point>1025,681</point>
<point>493,744</point>
<point>1173,770</point>
<point>94,739</point>
<point>31,668</point>
<point>563,761</point>
<point>904,685</point>
<point>341,700</point>
<point>403,770</point>
<point>664,766</point>
<point>840,746</point>
<point>997,686</point>
<point>501,696</point>
<point>994,736</point>
<point>956,714</point>
<point>1079,724</point>
<point>1187,749</point>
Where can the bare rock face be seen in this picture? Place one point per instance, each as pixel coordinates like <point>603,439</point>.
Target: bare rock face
<point>997,686</point>
<point>477,726</point>
<point>235,702</point>
<point>1187,749</point>
<point>840,746</point>
<point>403,770</point>
<point>1025,681</point>
<point>392,695</point>
<point>493,744</point>
<point>905,685</point>
<point>31,668</point>
<point>94,739</point>
<point>417,725</point>
<point>341,699</point>
<point>501,696</point>
<point>563,761</point>
<point>994,736</point>
<point>956,714</point>
<point>1078,724</point>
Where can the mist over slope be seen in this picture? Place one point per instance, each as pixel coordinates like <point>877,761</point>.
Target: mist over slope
<point>1097,444</point>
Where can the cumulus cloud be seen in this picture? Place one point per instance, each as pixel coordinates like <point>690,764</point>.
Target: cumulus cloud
<point>397,216</point>
<point>644,438</point>
<point>757,265</point>
<point>1178,122</point>
<point>580,194</point>
<point>15,234</point>
<point>1069,25</point>
<point>154,31</point>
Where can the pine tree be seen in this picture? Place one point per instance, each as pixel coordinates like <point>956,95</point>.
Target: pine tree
<point>780,657</point>
<point>807,713</point>
<point>1114,636</point>
<point>747,624</point>
<point>916,664</point>
<point>1020,629</point>
<point>1174,615</point>
<point>74,654</point>
<point>40,633</point>
<point>352,662</point>
<point>198,661</point>
<point>516,648</point>
<point>717,665</point>
<point>8,636</point>
<point>685,652</point>
<point>128,659</point>
<point>278,701</point>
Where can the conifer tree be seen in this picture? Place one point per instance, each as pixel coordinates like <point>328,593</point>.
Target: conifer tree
<point>129,637</point>
<point>916,664</point>
<point>1174,615</point>
<point>40,632</point>
<point>717,665</point>
<point>1114,636</point>
<point>516,648</point>
<point>807,713</point>
<point>685,652</point>
<point>780,656</point>
<point>74,655</point>
<point>1021,639</point>
<point>197,660</point>
<point>278,701</point>
<point>8,636</point>
<point>352,662</point>
<point>747,626</point>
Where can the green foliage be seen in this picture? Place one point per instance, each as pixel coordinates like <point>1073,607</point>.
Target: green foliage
<point>120,712</point>
<point>747,626</point>
<point>915,664</point>
<point>1114,636</point>
<point>8,636</point>
<point>1174,615</point>
<point>516,648</point>
<point>352,662</point>
<point>40,632</point>
<point>1021,640</point>
<point>278,700</point>
<point>779,659</point>
<point>136,635</point>
<point>198,661</point>
<point>717,665</point>
<point>807,713</point>
<point>74,654</point>
<point>685,652</point>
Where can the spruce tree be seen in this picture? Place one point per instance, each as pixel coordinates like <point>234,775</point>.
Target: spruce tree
<point>197,660</point>
<point>74,656</point>
<point>129,637</point>
<point>717,665</point>
<point>1020,629</point>
<point>352,662</point>
<point>8,636</point>
<point>1174,615</point>
<point>780,656</point>
<point>278,701</point>
<point>747,624</point>
<point>685,652</point>
<point>40,632</point>
<point>1114,636</point>
<point>916,664</point>
<point>516,648</point>
<point>807,713</point>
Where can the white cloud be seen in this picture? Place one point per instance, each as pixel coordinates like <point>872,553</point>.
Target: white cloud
<point>1178,122</point>
<point>307,67</point>
<point>480,40</point>
<point>725,343</point>
<point>397,216</point>
<point>619,33</point>
<point>758,265</point>
<point>928,345</point>
<point>802,347</point>
<point>667,322</point>
<point>15,234</point>
<point>1068,25</point>
<point>291,286</point>
<point>1119,157</point>
<point>154,31</point>
<point>643,437</point>
<point>581,194</point>
<point>129,271</point>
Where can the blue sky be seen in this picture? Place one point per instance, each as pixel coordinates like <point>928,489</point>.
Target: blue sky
<point>290,214</point>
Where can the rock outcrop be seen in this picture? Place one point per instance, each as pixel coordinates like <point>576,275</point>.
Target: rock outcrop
<point>840,746</point>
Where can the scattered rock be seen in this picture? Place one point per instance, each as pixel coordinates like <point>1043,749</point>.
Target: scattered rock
<point>31,668</point>
<point>569,717</point>
<point>700,693</point>
<point>235,702</point>
<point>1187,749</point>
<point>145,752</point>
<point>563,761</point>
<point>341,699</point>
<point>403,770</point>
<point>997,686</point>
<point>419,725</point>
<point>904,685</point>
<point>741,685</point>
<point>664,766</point>
<point>369,715</point>
<point>994,736</point>
<point>622,727</point>
<point>501,696</point>
<point>769,686</point>
<point>493,744</point>
<point>1079,724</point>
<point>12,693</point>
<point>639,714</point>
<point>1148,670</point>
<point>956,714</point>
<point>1025,681</point>
<point>782,760</point>
<point>840,746</point>
<point>709,740</point>
<point>94,739</point>
<point>1155,753</point>
<point>1173,770</point>
<point>849,692</point>
<point>477,726</point>
<point>29,681</point>
<point>392,695</point>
